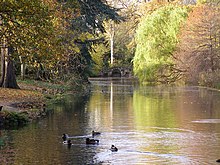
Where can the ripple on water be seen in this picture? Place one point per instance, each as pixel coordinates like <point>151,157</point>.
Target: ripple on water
<point>138,157</point>
<point>166,146</point>
<point>214,121</point>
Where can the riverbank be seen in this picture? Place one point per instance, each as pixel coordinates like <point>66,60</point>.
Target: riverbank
<point>20,106</point>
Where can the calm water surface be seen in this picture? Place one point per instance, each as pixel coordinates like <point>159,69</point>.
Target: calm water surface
<point>149,125</point>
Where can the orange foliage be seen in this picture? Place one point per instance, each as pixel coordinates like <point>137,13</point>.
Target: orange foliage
<point>198,43</point>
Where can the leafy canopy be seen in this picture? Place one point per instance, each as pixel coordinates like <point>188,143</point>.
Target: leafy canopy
<point>156,39</point>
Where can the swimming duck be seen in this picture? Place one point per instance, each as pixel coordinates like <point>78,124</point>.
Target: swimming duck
<point>65,137</point>
<point>113,148</point>
<point>92,141</point>
<point>218,160</point>
<point>95,133</point>
<point>69,143</point>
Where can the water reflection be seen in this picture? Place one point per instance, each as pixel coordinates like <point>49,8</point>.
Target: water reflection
<point>149,125</point>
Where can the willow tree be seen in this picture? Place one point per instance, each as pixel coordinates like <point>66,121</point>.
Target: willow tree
<point>156,39</point>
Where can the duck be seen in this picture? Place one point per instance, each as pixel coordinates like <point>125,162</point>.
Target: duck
<point>113,148</point>
<point>92,141</point>
<point>65,137</point>
<point>218,160</point>
<point>69,143</point>
<point>95,133</point>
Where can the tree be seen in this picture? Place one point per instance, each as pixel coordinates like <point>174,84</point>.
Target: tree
<point>85,30</point>
<point>25,27</point>
<point>199,45</point>
<point>93,14</point>
<point>51,36</point>
<point>156,39</point>
<point>119,38</point>
<point>124,33</point>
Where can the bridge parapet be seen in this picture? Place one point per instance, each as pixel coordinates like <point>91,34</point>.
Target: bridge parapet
<point>117,72</point>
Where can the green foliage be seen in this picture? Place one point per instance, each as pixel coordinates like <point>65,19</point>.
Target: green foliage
<point>89,24</point>
<point>13,119</point>
<point>98,56</point>
<point>31,29</point>
<point>123,51</point>
<point>201,1</point>
<point>93,14</point>
<point>83,33</point>
<point>26,25</point>
<point>214,2</point>
<point>122,35</point>
<point>53,38</point>
<point>156,38</point>
<point>43,85</point>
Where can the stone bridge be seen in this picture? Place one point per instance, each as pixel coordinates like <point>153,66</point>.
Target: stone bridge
<point>117,72</point>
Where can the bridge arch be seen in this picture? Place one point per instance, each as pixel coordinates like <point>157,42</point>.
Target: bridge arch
<point>116,72</point>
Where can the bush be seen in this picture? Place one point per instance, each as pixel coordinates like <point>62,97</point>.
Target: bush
<point>210,79</point>
<point>13,119</point>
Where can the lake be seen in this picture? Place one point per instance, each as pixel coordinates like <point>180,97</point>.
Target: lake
<point>148,124</point>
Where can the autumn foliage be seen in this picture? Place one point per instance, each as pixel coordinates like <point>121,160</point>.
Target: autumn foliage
<point>8,96</point>
<point>198,50</point>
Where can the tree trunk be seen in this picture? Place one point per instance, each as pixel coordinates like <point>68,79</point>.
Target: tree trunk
<point>22,71</point>
<point>10,78</point>
<point>112,31</point>
<point>2,67</point>
<point>22,68</point>
<point>4,53</point>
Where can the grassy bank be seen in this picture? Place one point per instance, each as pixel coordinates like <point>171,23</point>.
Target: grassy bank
<point>19,106</point>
